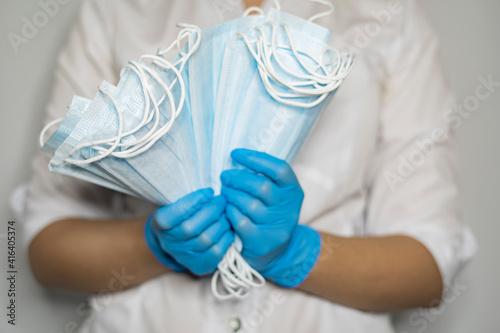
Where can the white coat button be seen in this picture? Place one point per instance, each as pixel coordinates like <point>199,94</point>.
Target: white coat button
<point>233,324</point>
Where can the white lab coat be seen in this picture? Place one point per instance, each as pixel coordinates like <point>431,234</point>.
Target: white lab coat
<point>373,164</point>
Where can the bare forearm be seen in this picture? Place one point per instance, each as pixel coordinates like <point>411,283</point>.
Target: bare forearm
<point>89,255</point>
<point>375,274</point>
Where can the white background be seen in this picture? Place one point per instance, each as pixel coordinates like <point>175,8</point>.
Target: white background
<point>469,32</point>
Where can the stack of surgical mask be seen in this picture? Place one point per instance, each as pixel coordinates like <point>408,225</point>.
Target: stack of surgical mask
<point>168,127</point>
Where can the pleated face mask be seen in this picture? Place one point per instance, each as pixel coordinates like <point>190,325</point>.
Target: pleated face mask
<point>89,172</point>
<point>275,80</point>
<point>127,131</point>
<point>204,75</point>
<point>286,72</point>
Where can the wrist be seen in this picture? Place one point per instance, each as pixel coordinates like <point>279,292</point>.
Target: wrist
<point>293,266</point>
<point>154,245</point>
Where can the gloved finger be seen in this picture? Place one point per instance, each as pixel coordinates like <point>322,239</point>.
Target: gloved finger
<point>200,220</point>
<point>277,170</point>
<point>206,262</point>
<point>252,183</point>
<point>242,224</point>
<point>167,217</point>
<point>219,249</point>
<point>209,237</point>
<point>246,203</point>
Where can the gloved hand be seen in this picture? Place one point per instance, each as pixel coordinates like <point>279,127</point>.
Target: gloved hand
<point>191,233</point>
<point>264,202</point>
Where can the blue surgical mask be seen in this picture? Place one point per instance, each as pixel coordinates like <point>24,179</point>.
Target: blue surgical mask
<point>284,76</point>
<point>99,122</point>
<point>89,172</point>
<point>156,169</point>
<point>269,115</point>
<point>204,76</point>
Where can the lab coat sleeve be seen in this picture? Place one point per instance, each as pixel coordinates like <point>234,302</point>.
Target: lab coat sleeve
<point>83,64</point>
<point>413,180</point>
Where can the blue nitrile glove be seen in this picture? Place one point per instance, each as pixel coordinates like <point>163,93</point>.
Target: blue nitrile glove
<point>192,232</point>
<point>264,202</point>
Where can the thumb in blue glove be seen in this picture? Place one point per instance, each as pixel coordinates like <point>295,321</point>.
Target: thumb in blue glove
<point>191,233</point>
<point>264,203</point>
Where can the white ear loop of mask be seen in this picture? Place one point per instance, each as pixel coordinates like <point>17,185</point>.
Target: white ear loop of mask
<point>339,71</point>
<point>139,70</point>
<point>277,4</point>
<point>327,12</point>
<point>314,17</point>
<point>144,143</point>
<point>253,9</point>
<point>154,134</point>
<point>320,85</point>
<point>168,66</point>
<point>236,275</point>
